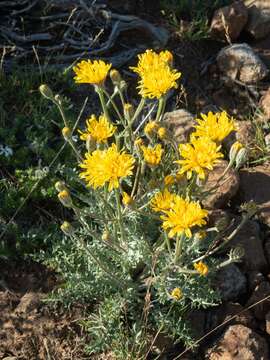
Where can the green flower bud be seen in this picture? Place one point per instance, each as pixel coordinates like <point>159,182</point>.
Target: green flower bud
<point>65,198</point>
<point>67,228</point>
<point>46,91</point>
<point>241,158</point>
<point>60,186</point>
<point>66,132</point>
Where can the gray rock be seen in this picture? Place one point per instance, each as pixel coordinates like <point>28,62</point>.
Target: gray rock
<point>229,21</point>
<point>180,123</point>
<point>231,283</point>
<point>224,189</point>
<point>238,61</point>
<point>239,343</point>
<point>258,24</point>
<point>255,186</point>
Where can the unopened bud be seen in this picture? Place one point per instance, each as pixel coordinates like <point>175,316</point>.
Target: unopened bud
<point>115,77</point>
<point>162,133</point>
<point>90,143</point>
<point>106,235</point>
<point>128,111</point>
<point>127,199</point>
<point>65,198</point>
<point>66,132</point>
<point>58,99</point>
<point>241,158</point>
<point>46,91</point>
<point>150,128</point>
<point>169,180</point>
<point>138,142</point>
<point>60,186</point>
<point>235,150</point>
<point>67,228</point>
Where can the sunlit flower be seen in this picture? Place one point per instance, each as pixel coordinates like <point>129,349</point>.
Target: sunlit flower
<point>150,59</point>
<point>169,180</point>
<point>182,216</point>
<point>152,155</point>
<point>215,126</point>
<point>202,268</point>
<point>198,156</point>
<point>106,166</point>
<point>162,201</point>
<point>176,294</point>
<point>156,82</point>
<point>91,72</point>
<point>99,130</point>
<point>127,199</point>
<point>162,133</point>
<point>150,128</point>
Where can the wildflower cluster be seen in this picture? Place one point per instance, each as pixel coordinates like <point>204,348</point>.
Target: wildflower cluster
<point>139,229</point>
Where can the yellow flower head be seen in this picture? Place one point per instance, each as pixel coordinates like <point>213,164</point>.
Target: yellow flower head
<point>138,142</point>
<point>199,155</point>
<point>99,130</point>
<point>106,166</point>
<point>66,132</point>
<point>201,268</point>
<point>169,180</point>
<point>91,72</point>
<point>156,82</point>
<point>127,199</point>
<point>150,128</point>
<point>152,155</point>
<point>150,59</point>
<point>65,198</point>
<point>215,126</point>
<point>162,133</point>
<point>182,216</point>
<point>176,293</point>
<point>162,201</point>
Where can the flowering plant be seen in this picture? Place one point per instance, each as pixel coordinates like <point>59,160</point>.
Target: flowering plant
<point>143,250</point>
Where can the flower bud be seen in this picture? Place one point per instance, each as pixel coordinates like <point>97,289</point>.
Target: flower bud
<point>46,91</point>
<point>90,143</point>
<point>162,133</point>
<point>150,128</point>
<point>200,235</point>
<point>241,158</point>
<point>65,198</point>
<point>67,228</point>
<point>115,77</point>
<point>236,146</point>
<point>105,235</point>
<point>138,142</point>
<point>176,294</point>
<point>66,132</point>
<point>58,99</point>
<point>60,186</point>
<point>169,180</point>
<point>128,111</point>
<point>127,199</point>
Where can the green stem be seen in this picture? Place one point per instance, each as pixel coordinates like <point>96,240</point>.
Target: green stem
<point>119,212</point>
<point>161,107</point>
<point>100,92</point>
<point>114,105</point>
<point>138,111</point>
<point>178,247</point>
<point>62,113</point>
<point>79,157</point>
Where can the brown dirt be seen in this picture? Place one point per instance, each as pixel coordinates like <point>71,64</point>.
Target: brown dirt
<point>29,329</point>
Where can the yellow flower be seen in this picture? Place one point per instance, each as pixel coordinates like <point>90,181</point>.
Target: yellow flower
<point>169,180</point>
<point>91,72</point>
<point>66,132</point>
<point>156,82</point>
<point>152,155</point>
<point>215,126</point>
<point>127,199</point>
<point>157,77</point>
<point>99,130</point>
<point>162,201</point>
<point>67,228</point>
<point>150,128</point>
<point>106,166</point>
<point>65,198</point>
<point>138,142</point>
<point>162,133</point>
<point>182,216</point>
<point>150,59</point>
<point>201,268</point>
<point>199,155</point>
<point>176,293</point>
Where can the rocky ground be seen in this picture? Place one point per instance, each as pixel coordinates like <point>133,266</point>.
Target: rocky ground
<point>228,71</point>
